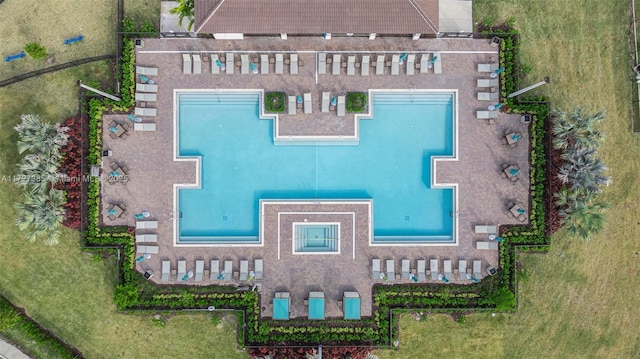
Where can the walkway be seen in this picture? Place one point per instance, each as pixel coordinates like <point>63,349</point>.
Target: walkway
<point>8,351</point>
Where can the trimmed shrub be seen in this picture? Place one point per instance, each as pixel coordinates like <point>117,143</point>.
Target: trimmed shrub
<point>35,50</point>
<point>274,101</point>
<point>356,102</point>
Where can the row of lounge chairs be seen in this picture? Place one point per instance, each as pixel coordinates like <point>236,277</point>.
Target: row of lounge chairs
<point>326,104</point>
<point>421,274</point>
<point>213,272</point>
<point>397,62</point>
<point>142,236</point>
<point>146,91</point>
<point>192,63</point>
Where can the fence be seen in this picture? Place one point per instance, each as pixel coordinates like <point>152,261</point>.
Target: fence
<point>53,69</point>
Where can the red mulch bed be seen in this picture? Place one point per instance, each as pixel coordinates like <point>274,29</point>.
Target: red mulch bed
<point>301,353</point>
<point>554,221</point>
<point>72,167</point>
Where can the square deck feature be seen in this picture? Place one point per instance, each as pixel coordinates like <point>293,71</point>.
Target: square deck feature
<point>316,305</point>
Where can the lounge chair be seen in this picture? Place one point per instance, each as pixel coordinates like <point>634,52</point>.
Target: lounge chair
<point>144,126</point>
<point>279,64</point>
<point>424,63</point>
<point>395,64</point>
<point>292,105</point>
<point>341,106</point>
<point>380,65</point>
<point>166,271</point>
<point>148,249</point>
<point>228,270</point>
<point>364,70</point>
<point>215,69</point>
<point>462,270</point>
<point>307,103</point>
<point>448,272</point>
<point>146,224</point>
<point>487,82</point>
<point>421,270</point>
<point>487,67</point>
<point>391,270</point>
<point>375,268</point>
<point>146,88</point>
<point>485,229</point>
<point>485,115</point>
<point>244,69</point>
<point>325,102</point>
<point>293,66</point>
<point>199,270</point>
<point>351,65</point>
<point>433,267</point>
<point>141,96</point>
<point>487,245</point>
<point>488,96</point>
<point>182,269</point>
<point>406,264</point>
<point>215,269</point>
<point>149,71</point>
<point>322,63</point>
<point>186,64</point>
<point>230,63</point>
<point>145,111</point>
<point>197,64</point>
<point>142,238</point>
<point>257,264</point>
<point>477,269</point>
<point>244,270</point>
<point>264,64</point>
<point>437,64</point>
<point>337,60</point>
<point>411,64</point>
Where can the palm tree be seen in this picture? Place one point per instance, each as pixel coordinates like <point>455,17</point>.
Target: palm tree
<point>586,218</point>
<point>38,172</point>
<point>576,129</point>
<point>184,9</point>
<point>583,170</point>
<point>40,137</point>
<point>41,215</point>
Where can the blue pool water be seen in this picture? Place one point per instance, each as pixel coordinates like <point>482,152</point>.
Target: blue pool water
<point>241,165</point>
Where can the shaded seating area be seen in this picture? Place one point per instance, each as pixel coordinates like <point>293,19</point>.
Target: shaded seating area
<point>316,305</point>
<point>351,305</point>
<point>517,210</point>
<point>281,306</point>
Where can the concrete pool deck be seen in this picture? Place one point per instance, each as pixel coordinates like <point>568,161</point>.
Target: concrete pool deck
<point>483,194</point>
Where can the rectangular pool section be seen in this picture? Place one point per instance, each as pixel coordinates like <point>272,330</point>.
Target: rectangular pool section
<point>241,165</point>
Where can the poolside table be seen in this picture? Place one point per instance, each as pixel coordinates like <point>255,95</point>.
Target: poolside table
<point>508,171</point>
<point>516,207</point>
<point>509,137</point>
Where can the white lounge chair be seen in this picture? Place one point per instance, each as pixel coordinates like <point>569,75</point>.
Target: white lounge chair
<point>424,63</point>
<point>487,245</point>
<point>488,96</point>
<point>487,67</point>
<point>141,96</point>
<point>364,70</point>
<point>292,105</point>
<point>279,64</point>
<point>244,269</point>
<point>477,269</point>
<point>341,106</point>
<point>325,101</point>
<point>228,270</point>
<point>148,71</point>
<point>166,271</point>
<point>448,272</point>
<point>322,63</point>
<point>148,249</point>
<point>144,126</point>
<point>215,269</point>
<point>462,270</point>
<point>186,64</point>
<point>437,64</point>
<point>293,65</point>
<point>421,269</point>
<point>433,267</point>
<point>337,63</point>
<point>264,64</point>
<point>411,64</point>
<point>146,88</point>
<point>395,64</point>
<point>199,270</point>
<point>380,65</point>
<point>244,68</point>
<point>145,111</point>
<point>351,65</point>
<point>485,229</point>
<point>258,269</point>
<point>375,268</point>
<point>215,69</point>
<point>146,224</point>
<point>182,269</point>
<point>406,268</point>
<point>485,115</point>
<point>197,64</point>
<point>391,270</point>
<point>307,103</point>
<point>143,238</point>
<point>230,63</point>
<point>487,82</point>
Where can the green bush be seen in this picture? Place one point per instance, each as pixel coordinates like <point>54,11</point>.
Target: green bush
<point>274,101</point>
<point>356,102</point>
<point>35,50</point>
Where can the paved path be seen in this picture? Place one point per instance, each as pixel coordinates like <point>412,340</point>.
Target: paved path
<point>8,351</point>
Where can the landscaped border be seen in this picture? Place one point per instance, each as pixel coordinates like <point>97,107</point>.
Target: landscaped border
<point>495,293</point>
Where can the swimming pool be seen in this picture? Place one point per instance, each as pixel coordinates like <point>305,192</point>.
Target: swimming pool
<point>240,164</point>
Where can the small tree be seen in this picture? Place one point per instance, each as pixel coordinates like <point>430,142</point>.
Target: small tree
<point>184,9</point>
<point>35,50</point>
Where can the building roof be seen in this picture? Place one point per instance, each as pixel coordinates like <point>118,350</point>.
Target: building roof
<point>386,17</point>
